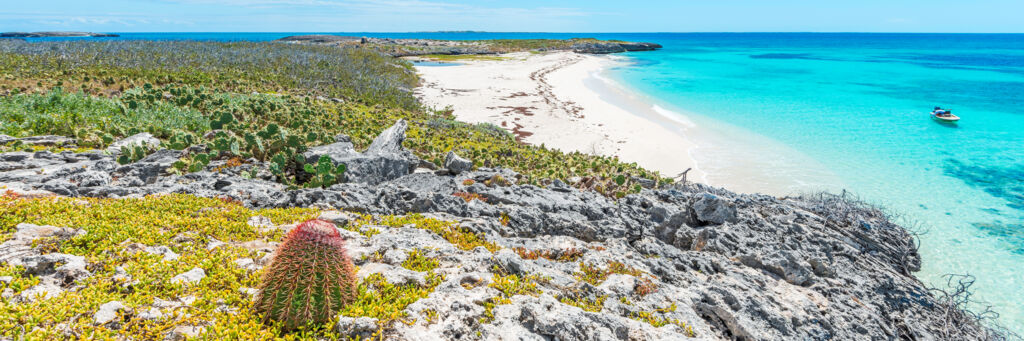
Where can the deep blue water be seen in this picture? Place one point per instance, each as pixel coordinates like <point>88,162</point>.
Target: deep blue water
<point>853,109</point>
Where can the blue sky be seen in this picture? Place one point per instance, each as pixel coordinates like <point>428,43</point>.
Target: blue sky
<point>519,16</point>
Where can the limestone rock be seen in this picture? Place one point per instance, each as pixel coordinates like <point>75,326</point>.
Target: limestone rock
<point>456,164</point>
<point>356,326</point>
<point>107,312</point>
<point>714,210</point>
<point>141,139</point>
<point>166,252</point>
<point>190,277</point>
<point>260,222</point>
<point>393,274</point>
<point>181,333</point>
<point>733,265</point>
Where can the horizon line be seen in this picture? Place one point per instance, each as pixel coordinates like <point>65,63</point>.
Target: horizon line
<point>534,32</point>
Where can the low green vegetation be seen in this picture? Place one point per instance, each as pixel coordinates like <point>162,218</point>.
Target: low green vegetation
<point>269,101</point>
<point>264,101</point>
<point>454,234</point>
<point>508,285</point>
<point>595,275</point>
<point>656,319</point>
<point>186,224</point>
<point>589,304</point>
<point>109,68</point>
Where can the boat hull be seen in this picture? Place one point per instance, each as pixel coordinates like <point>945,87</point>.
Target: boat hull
<point>946,119</point>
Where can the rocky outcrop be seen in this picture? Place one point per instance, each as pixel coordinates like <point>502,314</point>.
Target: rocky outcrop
<point>613,47</point>
<point>320,38</point>
<point>56,272</point>
<point>725,266</point>
<point>42,140</point>
<point>145,140</point>
<point>54,34</point>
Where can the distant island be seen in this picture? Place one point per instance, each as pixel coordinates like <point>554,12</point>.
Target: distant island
<point>61,34</point>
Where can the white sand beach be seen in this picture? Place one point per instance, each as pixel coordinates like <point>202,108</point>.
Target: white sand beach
<point>560,100</point>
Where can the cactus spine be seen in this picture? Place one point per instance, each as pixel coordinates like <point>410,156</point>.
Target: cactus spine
<point>310,279</point>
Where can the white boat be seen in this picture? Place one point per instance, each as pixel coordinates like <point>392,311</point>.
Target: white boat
<point>945,118</point>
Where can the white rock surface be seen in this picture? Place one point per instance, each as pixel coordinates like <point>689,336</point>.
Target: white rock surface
<point>190,277</point>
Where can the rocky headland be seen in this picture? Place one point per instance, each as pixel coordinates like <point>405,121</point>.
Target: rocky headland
<point>419,47</point>
<point>675,262</point>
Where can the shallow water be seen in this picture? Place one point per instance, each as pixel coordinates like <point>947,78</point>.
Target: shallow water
<point>846,111</point>
<point>858,104</point>
<point>432,63</point>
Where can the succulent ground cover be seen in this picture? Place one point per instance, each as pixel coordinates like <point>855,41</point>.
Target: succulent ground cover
<point>262,101</point>
<point>188,225</point>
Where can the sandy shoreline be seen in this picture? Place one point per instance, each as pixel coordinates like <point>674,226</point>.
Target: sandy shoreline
<point>560,100</point>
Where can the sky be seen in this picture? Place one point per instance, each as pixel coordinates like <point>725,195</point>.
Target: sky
<point>1004,16</point>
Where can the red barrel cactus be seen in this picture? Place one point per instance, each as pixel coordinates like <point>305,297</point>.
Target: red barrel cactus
<point>310,279</point>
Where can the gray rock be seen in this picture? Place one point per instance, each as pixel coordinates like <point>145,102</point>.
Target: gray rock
<point>395,257</point>
<point>390,140</point>
<point>213,244</point>
<point>393,274</point>
<point>107,312</point>
<point>734,265</point>
<point>190,277</point>
<point>251,292</point>
<point>384,160</point>
<point>71,268</point>
<point>714,210</point>
<point>146,140</point>
<point>362,327</point>
<point>42,291</point>
<point>48,140</point>
<point>166,252</point>
<point>181,333</point>
<point>509,262</point>
<point>339,218</point>
<point>19,246</point>
<point>456,164</point>
<point>618,285</point>
<point>246,263</point>
<point>151,314</point>
<point>260,222</point>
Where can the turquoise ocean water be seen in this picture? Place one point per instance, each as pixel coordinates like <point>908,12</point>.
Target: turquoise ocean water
<point>858,104</point>
<point>853,106</point>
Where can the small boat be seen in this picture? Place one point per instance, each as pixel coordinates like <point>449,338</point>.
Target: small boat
<point>946,118</point>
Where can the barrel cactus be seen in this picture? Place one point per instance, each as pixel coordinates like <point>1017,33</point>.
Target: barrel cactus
<point>310,279</point>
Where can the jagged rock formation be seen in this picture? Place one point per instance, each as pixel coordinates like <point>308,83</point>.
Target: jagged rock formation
<point>725,265</point>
